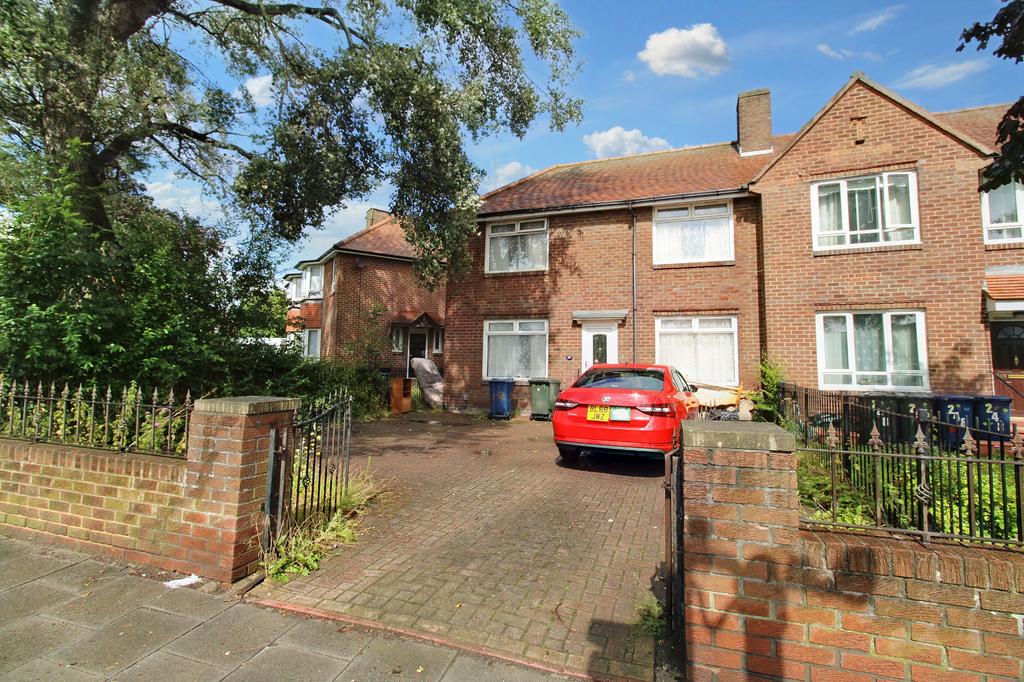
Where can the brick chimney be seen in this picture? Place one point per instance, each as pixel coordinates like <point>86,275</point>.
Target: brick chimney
<point>375,215</point>
<point>754,122</point>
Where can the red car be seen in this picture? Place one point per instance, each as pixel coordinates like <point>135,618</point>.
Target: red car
<point>633,409</point>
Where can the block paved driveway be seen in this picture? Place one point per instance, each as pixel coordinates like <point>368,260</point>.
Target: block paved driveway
<point>485,541</point>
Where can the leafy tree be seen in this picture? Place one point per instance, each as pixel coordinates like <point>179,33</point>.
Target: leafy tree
<point>364,92</point>
<point>1007,26</point>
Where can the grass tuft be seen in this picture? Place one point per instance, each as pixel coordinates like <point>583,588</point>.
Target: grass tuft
<point>651,616</point>
<point>301,549</point>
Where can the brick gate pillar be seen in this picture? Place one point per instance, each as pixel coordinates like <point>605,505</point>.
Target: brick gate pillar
<point>226,479</point>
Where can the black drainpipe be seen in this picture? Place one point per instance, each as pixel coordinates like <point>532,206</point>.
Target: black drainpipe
<point>632,214</point>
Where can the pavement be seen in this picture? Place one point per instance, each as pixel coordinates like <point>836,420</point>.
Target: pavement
<point>66,616</point>
<point>486,543</point>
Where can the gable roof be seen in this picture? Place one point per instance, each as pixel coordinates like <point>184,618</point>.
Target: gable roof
<point>980,123</point>
<point>704,169</point>
<point>674,172</point>
<point>385,238</point>
<point>944,125</point>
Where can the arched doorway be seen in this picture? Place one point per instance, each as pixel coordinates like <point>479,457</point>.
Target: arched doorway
<point>1008,347</point>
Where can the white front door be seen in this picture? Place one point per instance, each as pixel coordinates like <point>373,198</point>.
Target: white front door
<point>600,344</point>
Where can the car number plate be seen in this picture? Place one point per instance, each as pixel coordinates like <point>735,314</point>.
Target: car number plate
<point>598,413</point>
<point>620,414</point>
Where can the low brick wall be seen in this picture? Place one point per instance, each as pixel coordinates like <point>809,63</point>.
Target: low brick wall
<point>194,515</point>
<point>765,598</point>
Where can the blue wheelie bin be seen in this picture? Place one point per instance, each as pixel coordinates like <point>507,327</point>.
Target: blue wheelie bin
<point>501,398</point>
<point>992,414</point>
<point>958,412</point>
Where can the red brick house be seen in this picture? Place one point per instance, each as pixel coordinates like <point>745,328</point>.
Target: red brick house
<point>857,252</point>
<point>365,285</point>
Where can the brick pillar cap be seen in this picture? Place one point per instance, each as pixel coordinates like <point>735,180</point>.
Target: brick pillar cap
<point>247,404</point>
<point>701,433</point>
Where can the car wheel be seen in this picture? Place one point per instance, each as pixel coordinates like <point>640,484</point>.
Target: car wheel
<point>570,456</point>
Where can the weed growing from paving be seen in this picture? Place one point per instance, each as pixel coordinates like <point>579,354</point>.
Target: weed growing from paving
<point>302,548</point>
<point>651,616</point>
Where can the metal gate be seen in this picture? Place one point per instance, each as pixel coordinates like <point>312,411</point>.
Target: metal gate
<point>309,466</point>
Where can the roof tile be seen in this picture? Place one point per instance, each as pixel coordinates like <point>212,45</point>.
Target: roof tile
<point>1005,287</point>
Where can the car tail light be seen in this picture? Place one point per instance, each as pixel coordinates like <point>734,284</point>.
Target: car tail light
<point>659,410</point>
<point>565,404</point>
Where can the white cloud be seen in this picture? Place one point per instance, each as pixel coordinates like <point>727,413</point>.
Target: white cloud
<point>504,174</point>
<point>618,141</point>
<point>261,89</point>
<point>628,76</point>
<point>686,52</point>
<point>933,76</point>
<point>177,195</point>
<point>841,54</point>
<point>876,21</point>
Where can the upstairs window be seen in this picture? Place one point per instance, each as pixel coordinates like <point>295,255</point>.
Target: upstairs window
<point>294,290</point>
<point>313,281</point>
<point>1002,212</point>
<point>698,233</point>
<point>866,211</point>
<point>517,247</point>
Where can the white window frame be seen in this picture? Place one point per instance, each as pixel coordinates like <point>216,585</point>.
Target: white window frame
<point>437,344</point>
<point>294,289</point>
<point>695,329</point>
<point>986,219</point>
<point>690,218</point>
<point>309,291</point>
<point>398,343</point>
<point>306,333</point>
<point>517,230</point>
<point>516,332</point>
<point>922,352</point>
<point>883,210</point>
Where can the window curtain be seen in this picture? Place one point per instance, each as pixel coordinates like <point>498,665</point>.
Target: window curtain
<point>693,240</point>
<point>904,343</point>
<point>519,251</point>
<point>516,355</point>
<point>1002,204</point>
<point>836,343</point>
<point>830,206</point>
<point>707,357</point>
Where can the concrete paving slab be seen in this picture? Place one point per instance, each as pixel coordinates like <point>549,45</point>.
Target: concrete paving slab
<point>466,667</point>
<point>234,636</point>
<point>83,576</point>
<point>21,569</point>
<point>44,670</point>
<point>31,638</point>
<point>125,641</point>
<point>109,601</point>
<point>161,665</point>
<point>191,603</point>
<point>328,638</point>
<point>399,659</point>
<point>28,598</point>
<point>287,663</point>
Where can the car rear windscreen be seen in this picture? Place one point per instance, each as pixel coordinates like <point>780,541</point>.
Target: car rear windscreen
<point>630,379</point>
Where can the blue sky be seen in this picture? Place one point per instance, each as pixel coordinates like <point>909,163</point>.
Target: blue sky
<point>666,74</point>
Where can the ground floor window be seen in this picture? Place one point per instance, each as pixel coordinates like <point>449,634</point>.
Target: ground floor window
<point>310,339</point>
<point>398,339</point>
<point>703,348</point>
<point>515,348</point>
<point>872,350</point>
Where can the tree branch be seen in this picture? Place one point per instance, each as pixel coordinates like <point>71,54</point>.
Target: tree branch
<point>327,15</point>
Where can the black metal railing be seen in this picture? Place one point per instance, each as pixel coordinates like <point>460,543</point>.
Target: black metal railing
<point>309,467</point>
<point>125,421</point>
<point>864,467</point>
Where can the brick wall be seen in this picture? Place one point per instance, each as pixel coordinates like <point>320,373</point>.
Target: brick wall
<point>193,515</point>
<point>764,597</point>
<point>589,268</point>
<point>357,284</point>
<point>864,132</point>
